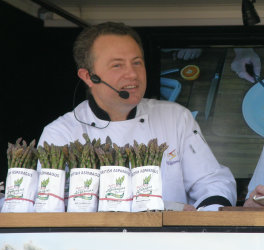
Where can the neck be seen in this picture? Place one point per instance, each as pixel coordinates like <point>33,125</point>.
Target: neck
<point>118,113</point>
<point>118,116</point>
<point>104,114</point>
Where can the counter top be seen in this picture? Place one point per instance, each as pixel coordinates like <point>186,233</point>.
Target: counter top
<point>229,217</point>
<point>221,218</point>
<point>99,219</point>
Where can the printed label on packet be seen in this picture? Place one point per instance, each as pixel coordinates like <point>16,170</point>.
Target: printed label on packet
<point>51,186</point>
<point>84,188</point>
<point>147,189</point>
<point>21,186</point>
<point>115,193</point>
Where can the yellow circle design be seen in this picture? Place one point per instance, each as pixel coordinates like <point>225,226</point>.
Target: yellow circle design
<point>190,72</point>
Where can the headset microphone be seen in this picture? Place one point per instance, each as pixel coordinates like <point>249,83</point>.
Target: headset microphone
<point>96,79</point>
<point>74,113</point>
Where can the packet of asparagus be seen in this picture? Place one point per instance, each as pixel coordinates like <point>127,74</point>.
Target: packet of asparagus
<point>84,177</point>
<point>115,193</point>
<point>22,177</point>
<point>146,175</point>
<point>51,184</point>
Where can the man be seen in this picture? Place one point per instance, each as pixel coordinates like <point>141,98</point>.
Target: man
<point>256,185</point>
<point>111,53</point>
<point>251,200</point>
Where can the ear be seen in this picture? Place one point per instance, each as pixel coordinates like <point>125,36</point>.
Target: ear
<point>84,75</point>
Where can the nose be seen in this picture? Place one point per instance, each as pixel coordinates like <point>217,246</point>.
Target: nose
<point>130,71</point>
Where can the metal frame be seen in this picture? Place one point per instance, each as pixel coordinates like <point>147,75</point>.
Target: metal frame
<point>61,12</point>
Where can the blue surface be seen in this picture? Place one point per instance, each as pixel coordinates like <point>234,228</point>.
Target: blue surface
<point>169,89</point>
<point>168,71</point>
<point>195,113</point>
<point>253,108</point>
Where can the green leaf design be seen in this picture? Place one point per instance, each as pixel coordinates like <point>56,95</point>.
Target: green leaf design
<point>87,183</point>
<point>18,181</point>
<point>45,183</point>
<point>147,179</point>
<point>120,180</point>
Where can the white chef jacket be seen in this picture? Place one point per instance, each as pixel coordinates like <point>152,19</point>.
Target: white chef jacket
<point>258,176</point>
<point>190,172</point>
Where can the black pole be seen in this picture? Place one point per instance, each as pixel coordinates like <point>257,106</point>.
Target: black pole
<point>61,12</point>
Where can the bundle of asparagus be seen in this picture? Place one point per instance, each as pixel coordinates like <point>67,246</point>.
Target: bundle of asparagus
<point>83,156</point>
<point>146,155</point>
<point>51,156</point>
<point>84,183</point>
<point>21,184</point>
<point>21,155</point>
<point>110,154</point>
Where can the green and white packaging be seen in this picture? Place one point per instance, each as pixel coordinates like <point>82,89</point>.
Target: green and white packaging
<point>50,197</point>
<point>115,193</point>
<point>147,189</point>
<point>84,190</point>
<point>20,191</point>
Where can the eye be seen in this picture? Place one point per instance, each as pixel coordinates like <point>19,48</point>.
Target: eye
<point>117,65</point>
<point>137,63</point>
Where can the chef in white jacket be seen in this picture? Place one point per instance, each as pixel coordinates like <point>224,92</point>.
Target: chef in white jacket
<point>111,54</point>
<point>256,185</point>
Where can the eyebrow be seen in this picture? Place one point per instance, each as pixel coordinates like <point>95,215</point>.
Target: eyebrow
<point>121,59</point>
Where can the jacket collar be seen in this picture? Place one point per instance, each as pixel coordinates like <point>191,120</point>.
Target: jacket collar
<point>103,115</point>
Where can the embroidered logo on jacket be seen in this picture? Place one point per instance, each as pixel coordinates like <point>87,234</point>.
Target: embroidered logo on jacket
<point>172,157</point>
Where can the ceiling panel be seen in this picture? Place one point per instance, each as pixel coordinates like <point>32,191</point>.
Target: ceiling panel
<point>142,12</point>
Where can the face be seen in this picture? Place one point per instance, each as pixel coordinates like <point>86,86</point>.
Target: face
<point>118,61</point>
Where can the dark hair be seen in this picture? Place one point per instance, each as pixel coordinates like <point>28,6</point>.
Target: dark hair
<point>82,49</point>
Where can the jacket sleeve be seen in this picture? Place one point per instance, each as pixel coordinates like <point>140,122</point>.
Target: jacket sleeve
<point>206,181</point>
<point>258,176</point>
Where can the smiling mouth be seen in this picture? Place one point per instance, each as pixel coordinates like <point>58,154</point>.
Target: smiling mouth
<point>130,87</point>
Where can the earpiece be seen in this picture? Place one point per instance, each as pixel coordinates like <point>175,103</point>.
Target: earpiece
<point>95,78</point>
<point>74,113</point>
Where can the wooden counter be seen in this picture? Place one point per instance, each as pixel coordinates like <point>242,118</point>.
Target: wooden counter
<point>231,217</point>
<point>221,218</point>
<point>100,219</point>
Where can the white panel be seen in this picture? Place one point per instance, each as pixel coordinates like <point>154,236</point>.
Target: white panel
<point>132,241</point>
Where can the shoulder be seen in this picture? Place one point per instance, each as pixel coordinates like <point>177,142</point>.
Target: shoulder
<point>169,115</point>
<point>153,106</point>
<point>65,128</point>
